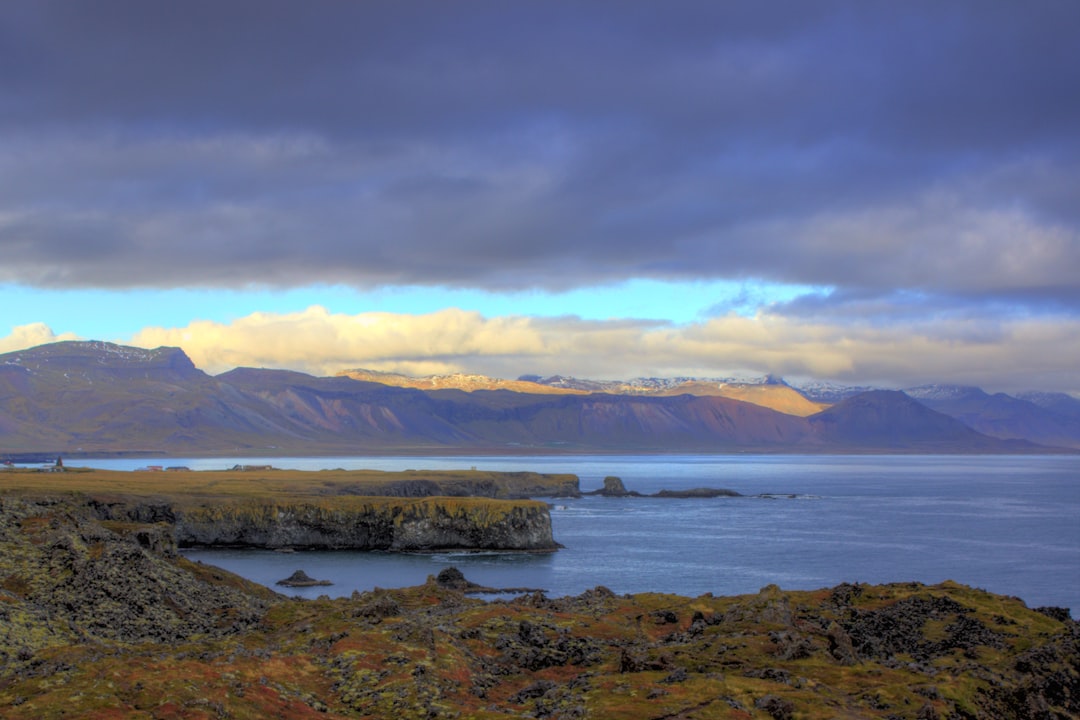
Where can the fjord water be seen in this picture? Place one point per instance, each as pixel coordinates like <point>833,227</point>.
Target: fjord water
<point>1008,524</point>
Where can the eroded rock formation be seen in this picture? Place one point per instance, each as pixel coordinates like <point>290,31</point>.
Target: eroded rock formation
<point>351,523</point>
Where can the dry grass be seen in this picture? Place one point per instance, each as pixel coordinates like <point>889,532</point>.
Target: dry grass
<point>186,486</point>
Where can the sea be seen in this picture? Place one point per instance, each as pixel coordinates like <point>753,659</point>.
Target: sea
<point>1007,524</point>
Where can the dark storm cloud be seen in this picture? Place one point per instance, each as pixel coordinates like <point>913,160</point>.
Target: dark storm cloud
<point>873,147</point>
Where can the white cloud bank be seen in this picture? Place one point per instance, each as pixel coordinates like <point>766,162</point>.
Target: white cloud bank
<point>30,335</point>
<point>999,355</point>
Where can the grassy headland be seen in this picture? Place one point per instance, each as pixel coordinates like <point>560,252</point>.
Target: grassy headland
<point>357,509</point>
<point>260,482</point>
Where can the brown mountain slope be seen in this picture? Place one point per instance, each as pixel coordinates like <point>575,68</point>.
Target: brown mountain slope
<point>780,398</point>
<point>369,412</point>
<point>775,396</point>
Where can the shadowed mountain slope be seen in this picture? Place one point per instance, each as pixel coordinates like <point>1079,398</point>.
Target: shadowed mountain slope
<point>889,419</point>
<point>1004,416</point>
<point>95,395</point>
<point>1057,403</point>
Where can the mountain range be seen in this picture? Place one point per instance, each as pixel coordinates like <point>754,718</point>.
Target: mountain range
<point>96,397</point>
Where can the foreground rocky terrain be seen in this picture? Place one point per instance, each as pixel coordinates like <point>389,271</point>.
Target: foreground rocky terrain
<point>104,619</point>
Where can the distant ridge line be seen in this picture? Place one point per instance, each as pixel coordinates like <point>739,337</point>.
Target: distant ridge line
<point>88,397</point>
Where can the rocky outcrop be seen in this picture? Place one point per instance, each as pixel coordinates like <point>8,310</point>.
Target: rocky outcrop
<point>697,493</point>
<point>302,579</point>
<point>63,569</point>
<point>408,525</point>
<point>340,522</point>
<point>453,579</point>
<point>614,487</point>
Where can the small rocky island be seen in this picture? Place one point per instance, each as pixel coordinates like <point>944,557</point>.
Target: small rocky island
<point>614,487</point>
<point>301,579</point>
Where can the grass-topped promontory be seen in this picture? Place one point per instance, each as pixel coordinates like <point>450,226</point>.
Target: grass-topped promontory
<point>339,509</point>
<point>237,484</point>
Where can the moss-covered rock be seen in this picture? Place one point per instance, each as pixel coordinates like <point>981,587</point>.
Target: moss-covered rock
<point>58,563</point>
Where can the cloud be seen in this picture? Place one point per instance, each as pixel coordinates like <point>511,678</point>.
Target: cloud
<point>1010,354</point>
<point>918,146</point>
<point>31,335</point>
<point>1000,354</point>
<point>321,342</point>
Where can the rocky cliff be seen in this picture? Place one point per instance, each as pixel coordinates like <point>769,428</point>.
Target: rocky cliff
<point>410,511</point>
<point>407,525</point>
<point>66,578</point>
<point>342,523</point>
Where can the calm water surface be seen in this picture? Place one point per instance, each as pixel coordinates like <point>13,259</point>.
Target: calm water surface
<point>1008,524</point>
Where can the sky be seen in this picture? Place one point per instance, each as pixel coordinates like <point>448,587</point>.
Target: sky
<point>862,192</point>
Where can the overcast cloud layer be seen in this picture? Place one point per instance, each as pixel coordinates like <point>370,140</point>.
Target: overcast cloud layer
<point>921,160</point>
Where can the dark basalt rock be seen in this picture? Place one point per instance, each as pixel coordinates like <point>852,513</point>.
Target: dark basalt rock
<point>414,526</point>
<point>302,579</point>
<point>778,708</point>
<point>1051,677</point>
<point>534,647</point>
<point>1060,614</point>
<point>614,487</point>
<point>697,493</point>
<point>897,629</point>
<point>453,579</point>
<point>110,586</point>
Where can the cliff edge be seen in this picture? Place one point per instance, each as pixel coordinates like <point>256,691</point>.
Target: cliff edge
<point>410,511</point>
<point>402,525</point>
